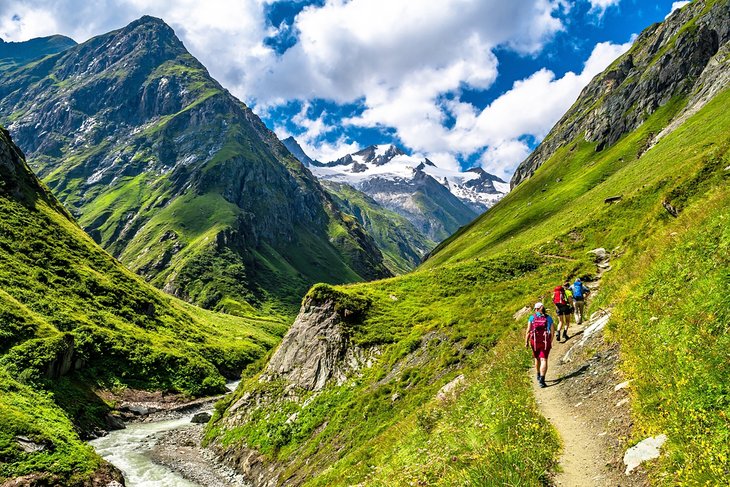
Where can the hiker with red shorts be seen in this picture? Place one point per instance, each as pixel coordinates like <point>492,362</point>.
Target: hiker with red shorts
<point>563,308</point>
<point>539,337</point>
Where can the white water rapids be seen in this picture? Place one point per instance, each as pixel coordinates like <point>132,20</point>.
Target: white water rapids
<point>128,450</point>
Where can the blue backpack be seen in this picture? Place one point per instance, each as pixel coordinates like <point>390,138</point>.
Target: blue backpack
<point>578,290</point>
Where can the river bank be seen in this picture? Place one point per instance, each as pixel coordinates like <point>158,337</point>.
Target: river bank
<point>160,447</point>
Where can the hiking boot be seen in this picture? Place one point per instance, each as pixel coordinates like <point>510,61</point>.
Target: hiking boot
<point>565,335</point>
<point>542,382</point>
<point>539,378</point>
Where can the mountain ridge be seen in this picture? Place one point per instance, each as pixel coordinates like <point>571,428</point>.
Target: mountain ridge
<point>176,177</point>
<point>409,186</point>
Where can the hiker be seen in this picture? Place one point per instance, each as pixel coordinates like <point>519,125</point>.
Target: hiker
<point>563,309</point>
<point>579,294</point>
<point>539,337</point>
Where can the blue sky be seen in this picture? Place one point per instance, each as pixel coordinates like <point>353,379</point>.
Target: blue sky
<point>463,82</point>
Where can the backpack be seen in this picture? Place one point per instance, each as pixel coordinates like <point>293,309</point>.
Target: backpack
<point>578,290</point>
<point>559,295</point>
<point>539,333</point>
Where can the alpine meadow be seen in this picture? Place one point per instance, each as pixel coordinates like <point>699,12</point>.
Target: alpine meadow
<point>186,299</point>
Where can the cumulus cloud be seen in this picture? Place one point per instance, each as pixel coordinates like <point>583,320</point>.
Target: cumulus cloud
<point>600,6</point>
<point>676,6</point>
<point>404,62</point>
<point>530,108</point>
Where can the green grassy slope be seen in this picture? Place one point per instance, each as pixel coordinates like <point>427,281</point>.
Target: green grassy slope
<point>402,245</point>
<point>68,308</point>
<point>177,178</point>
<point>454,315</point>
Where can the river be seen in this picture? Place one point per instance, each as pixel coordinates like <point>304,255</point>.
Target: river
<point>128,450</point>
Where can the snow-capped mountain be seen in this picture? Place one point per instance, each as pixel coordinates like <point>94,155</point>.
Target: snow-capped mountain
<point>475,187</point>
<point>435,199</point>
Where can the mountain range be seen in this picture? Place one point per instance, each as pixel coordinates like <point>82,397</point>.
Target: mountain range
<point>435,199</point>
<point>173,175</point>
<point>417,379</point>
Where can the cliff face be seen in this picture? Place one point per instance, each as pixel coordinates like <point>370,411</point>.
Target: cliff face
<point>176,177</point>
<point>685,56</point>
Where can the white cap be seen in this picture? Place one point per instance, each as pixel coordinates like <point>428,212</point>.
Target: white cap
<point>538,305</point>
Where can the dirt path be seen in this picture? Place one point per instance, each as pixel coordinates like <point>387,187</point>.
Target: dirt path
<point>588,403</point>
<point>582,461</point>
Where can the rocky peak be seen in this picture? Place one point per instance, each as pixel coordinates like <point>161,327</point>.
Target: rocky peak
<point>684,56</point>
<point>293,146</point>
<point>380,154</point>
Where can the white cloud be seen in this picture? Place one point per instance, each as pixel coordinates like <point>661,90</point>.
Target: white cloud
<point>531,107</point>
<point>600,6</point>
<point>398,58</point>
<point>676,6</point>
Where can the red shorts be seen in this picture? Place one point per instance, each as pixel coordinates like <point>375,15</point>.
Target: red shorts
<point>542,353</point>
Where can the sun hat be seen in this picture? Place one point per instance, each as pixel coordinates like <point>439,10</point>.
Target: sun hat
<point>538,305</point>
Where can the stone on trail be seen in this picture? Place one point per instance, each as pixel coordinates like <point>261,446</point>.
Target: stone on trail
<point>647,449</point>
<point>600,253</point>
<point>622,385</point>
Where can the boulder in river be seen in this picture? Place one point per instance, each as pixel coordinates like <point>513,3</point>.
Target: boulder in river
<point>201,418</point>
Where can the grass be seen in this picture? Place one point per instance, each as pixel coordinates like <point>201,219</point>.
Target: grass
<point>402,245</point>
<point>64,300</point>
<point>453,315</point>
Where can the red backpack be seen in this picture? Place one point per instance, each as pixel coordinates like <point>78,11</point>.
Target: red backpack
<point>559,295</point>
<point>539,334</point>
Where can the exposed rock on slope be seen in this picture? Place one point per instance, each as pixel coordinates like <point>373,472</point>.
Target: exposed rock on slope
<point>684,56</point>
<point>316,350</point>
<point>176,177</point>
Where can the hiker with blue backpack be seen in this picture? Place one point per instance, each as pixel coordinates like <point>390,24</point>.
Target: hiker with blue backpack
<point>539,337</point>
<point>579,299</point>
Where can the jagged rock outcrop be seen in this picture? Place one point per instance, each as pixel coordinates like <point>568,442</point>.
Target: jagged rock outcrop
<point>684,56</point>
<point>316,350</point>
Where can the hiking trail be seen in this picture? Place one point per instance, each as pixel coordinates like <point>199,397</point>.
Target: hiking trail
<point>586,400</point>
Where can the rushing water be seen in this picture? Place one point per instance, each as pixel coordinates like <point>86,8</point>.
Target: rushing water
<point>128,449</point>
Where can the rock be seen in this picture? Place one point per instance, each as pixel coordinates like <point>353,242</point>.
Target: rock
<point>395,397</point>
<point>114,483</point>
<point>647,449</point>
<point>136,409</point>
<point>114,422</point>
<point>201,418</point>
<point>444,392</point>
<point>622,385</point>
<point>622,402</point>
<point>316,350</point>
<point>522,312</point>
<point>599,253</point>
<point>28,445</point>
